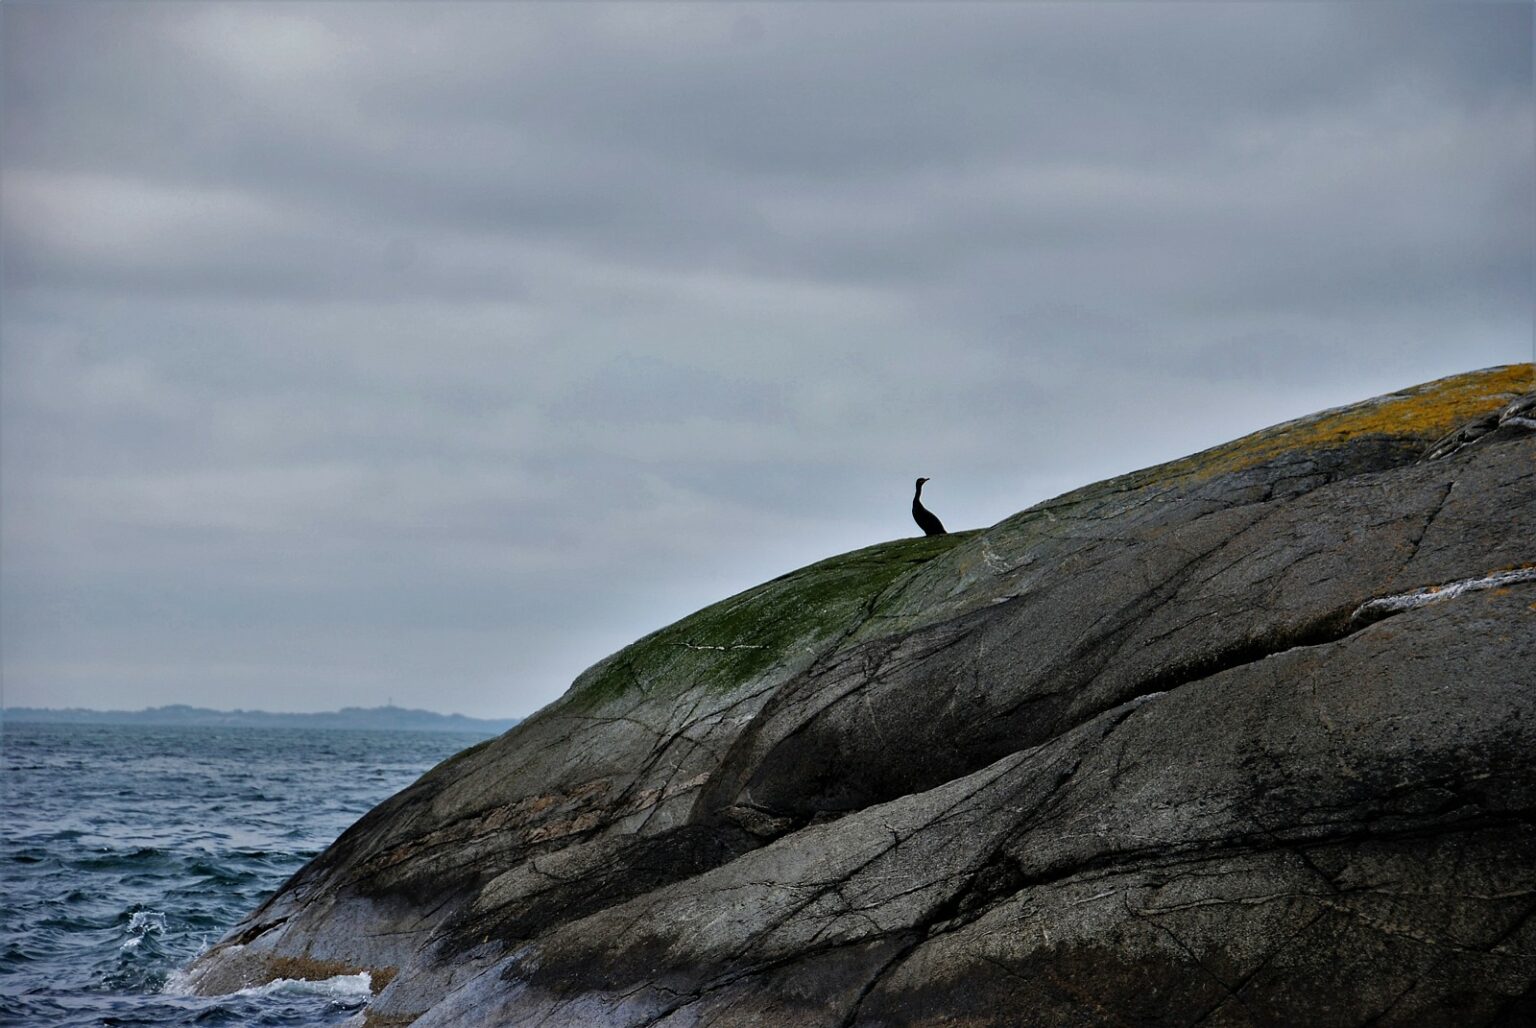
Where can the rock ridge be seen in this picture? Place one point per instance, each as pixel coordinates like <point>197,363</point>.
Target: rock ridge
<point>1246,738</point>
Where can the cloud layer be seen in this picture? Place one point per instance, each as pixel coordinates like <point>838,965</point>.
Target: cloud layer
<point>429,353</point>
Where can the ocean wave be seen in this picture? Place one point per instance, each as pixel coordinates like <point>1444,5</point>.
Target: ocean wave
<point>107,859</point>
<point>105,899</point>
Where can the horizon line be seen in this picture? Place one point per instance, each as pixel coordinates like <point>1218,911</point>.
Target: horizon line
<point>256,710</point>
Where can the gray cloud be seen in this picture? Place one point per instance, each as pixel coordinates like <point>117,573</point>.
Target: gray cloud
<point>355,351</point>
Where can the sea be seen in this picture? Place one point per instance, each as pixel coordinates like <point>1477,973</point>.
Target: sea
<point>126,850</point>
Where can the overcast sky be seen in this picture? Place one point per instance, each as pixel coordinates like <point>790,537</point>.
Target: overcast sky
<point>429,353</point>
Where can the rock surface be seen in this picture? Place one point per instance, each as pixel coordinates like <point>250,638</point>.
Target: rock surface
<point>1244,739</point>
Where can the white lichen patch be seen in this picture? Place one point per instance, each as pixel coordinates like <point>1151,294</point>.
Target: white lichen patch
<point>1386,606</point>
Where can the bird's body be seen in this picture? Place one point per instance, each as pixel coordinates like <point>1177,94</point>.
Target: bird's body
<point>924,517</point>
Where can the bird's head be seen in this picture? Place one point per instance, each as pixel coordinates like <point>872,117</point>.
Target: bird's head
<point>920,482</point>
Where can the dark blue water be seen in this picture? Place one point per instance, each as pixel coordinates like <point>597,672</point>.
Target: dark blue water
<point>126,850</point>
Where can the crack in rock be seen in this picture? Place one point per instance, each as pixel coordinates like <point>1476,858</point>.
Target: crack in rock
<point>1382,607</point>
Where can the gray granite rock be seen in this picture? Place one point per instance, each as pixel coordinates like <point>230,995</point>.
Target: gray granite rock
<point>1245,739</point>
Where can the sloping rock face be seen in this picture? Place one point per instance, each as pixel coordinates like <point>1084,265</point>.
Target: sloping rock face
<point>1245,739</point>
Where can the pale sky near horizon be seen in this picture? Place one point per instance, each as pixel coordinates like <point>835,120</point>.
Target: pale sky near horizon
<point>353,353</point>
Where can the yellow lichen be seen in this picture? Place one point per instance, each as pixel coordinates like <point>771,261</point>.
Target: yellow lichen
<point>1422,413</point>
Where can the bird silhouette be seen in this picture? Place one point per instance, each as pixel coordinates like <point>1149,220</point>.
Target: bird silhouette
<point>924,517</point>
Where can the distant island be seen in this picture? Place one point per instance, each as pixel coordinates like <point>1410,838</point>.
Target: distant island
<point>377,718</point>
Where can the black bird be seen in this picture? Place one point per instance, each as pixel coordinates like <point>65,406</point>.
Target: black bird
<point>922,515</point>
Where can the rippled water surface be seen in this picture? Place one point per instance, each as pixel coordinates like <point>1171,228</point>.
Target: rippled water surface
<point>126,850</point>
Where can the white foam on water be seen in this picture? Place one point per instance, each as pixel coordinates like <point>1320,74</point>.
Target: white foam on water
<point>342,988</point>
<point>141,924</point>
<point>147,922</point>
<point>355,987</point>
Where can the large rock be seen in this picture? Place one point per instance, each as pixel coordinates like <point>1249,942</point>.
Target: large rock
<point>1245,739</point>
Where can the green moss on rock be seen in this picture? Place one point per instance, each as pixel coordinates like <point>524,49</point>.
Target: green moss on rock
<point>786,621</point>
